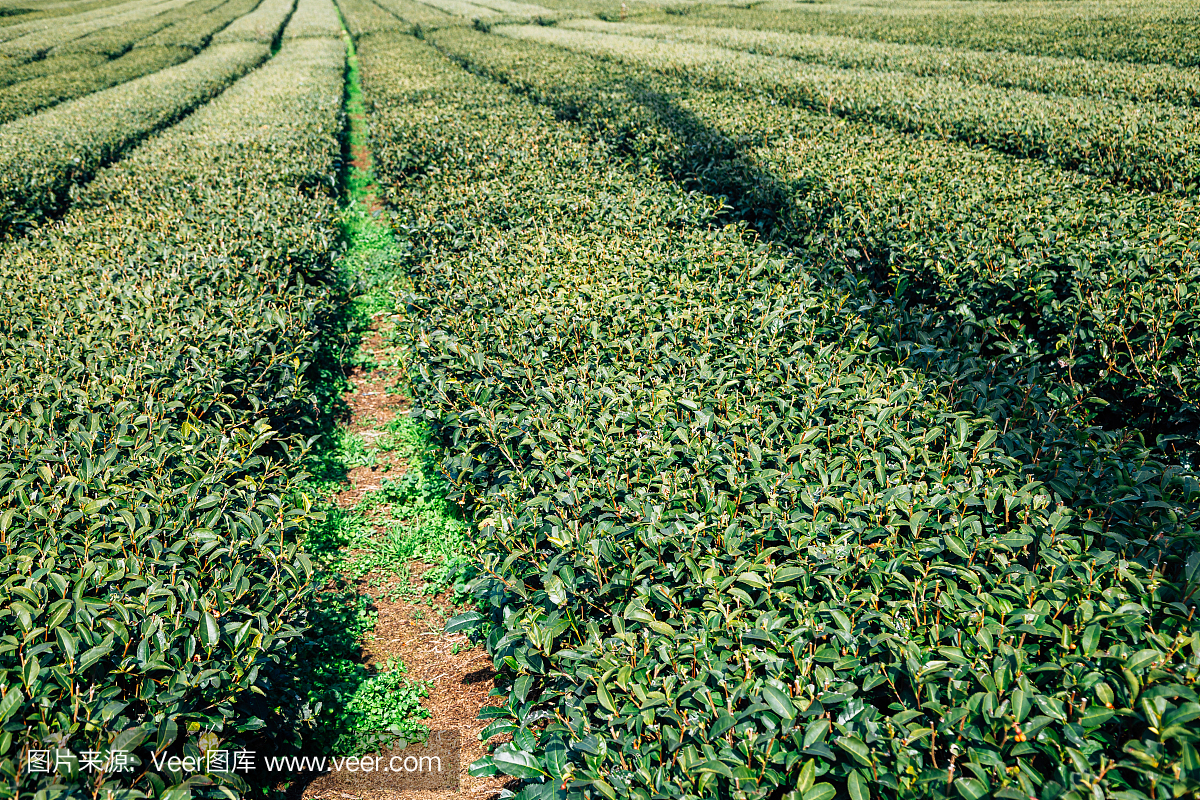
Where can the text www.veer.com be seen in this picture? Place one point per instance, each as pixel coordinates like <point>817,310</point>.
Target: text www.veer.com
<point>321,764</point>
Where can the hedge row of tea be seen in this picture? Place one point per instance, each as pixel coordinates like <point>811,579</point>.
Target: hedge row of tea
<point>1097,287</point>
<point>43,158</point>
<point>27,97</point>
<point>262,25</point>
<point>1141,31</point>
<point>749,527</point>
<point>367,16</point>
<point>313,19</point>
<point>1154,83</point>
<point>16,20</point>
<point>17,12</point>
<point>419,15</point>
<point>154,347</point>
<point>1148,147</point>
<point>40,43</point>
<point>30,70</point>
<point>94,48</point>
<point>165,48</point>
<point>116,39</point>
<point>389,16</point>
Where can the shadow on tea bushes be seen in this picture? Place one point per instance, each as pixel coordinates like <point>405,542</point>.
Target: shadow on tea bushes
<point>752,525</point>
<point>1095,288</point>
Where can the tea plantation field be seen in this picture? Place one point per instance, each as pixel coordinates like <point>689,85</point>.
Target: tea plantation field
<point>818,384</point>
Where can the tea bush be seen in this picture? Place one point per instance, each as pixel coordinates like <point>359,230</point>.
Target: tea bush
<point>1095,287</point>
<point>115,40</point>
<point>195,31</point>
<point>37,43</point>
<point>530,11</point>
<point>421,15</point>
<point>462,8</point>
<point>28,97</point>
<point>155,346</point>
<point>1154,83</point>
<point>315,19</point>
<point>512,8</point>
<point>58,15</point>
<point>43,157</point>
<point>20,14</point>
<point>750,527</point>
<point>1145,147</point>
<point>264,24</point>
<point>176,37</point>
<point>366,16</point>
<point>12,73</point>
<point>1140,31</point>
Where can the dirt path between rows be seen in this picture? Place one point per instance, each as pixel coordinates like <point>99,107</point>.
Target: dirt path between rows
<point>412,631</point>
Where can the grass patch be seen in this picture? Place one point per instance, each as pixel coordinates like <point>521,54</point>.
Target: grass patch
<point>419,524</point>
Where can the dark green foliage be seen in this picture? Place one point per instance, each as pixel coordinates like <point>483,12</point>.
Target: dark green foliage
<point>752,526</point>
<point>152,410</point>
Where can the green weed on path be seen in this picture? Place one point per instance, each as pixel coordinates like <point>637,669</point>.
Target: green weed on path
<point>350,700</point>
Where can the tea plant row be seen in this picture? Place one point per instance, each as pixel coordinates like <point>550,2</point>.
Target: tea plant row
<point>750,524</point>
<point>44,156</point>
<point>165,48</point>
<point>1146,147</point>
<point>419,14</point>
<point>139,17</point>
<point>1141,31</point>
<point>88,50</point>
<point>367,16</point>
<point>155,349</point>
<point>17,12</point>
<point>1094,286</point>
<point>1077,77</point>
<point>317,19</point>
<point>18,18</point>
<point>262,25</point>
